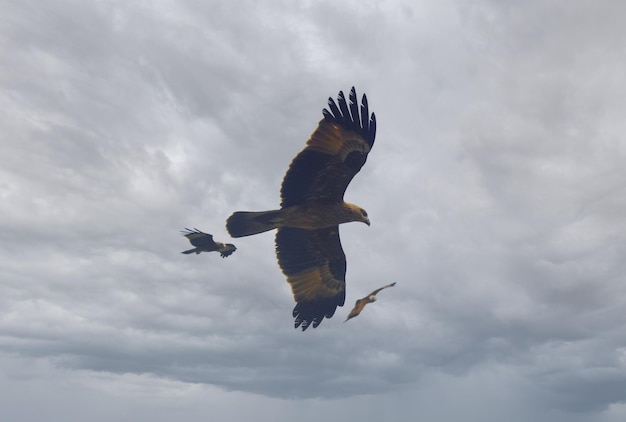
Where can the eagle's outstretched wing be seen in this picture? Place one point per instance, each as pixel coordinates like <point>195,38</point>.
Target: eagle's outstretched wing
<point>315,266</point>
<point>333,155</point>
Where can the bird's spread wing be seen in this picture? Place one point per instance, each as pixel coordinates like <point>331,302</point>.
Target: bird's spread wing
<point>358,307</point>
<point>315,266</point>
<point>333,155</point>
<point>200,239</point>
<point>360,303</point>
<point>378,290</point>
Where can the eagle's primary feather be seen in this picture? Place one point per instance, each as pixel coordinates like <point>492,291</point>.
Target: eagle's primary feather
<point>308,247</point>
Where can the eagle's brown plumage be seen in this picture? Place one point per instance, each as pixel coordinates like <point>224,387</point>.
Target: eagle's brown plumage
<point>204,242</point>
<point>308,248</point>
<point>360,303</point>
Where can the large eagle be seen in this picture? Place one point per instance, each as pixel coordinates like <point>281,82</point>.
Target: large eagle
<point>312,207</point>
<point>360,303</point>
<point>204,242</point>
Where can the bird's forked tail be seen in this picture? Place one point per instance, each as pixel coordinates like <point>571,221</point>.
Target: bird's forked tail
<point>246,223</point>
<point>188,251</point>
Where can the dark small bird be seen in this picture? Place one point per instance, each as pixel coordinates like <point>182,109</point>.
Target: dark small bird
<point>360,304</point>
<point>204,242</point>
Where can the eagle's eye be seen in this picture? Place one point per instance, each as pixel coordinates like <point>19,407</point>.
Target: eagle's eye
<point>363,212</point>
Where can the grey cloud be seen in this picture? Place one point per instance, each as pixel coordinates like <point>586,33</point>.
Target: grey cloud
<point>494,190</point>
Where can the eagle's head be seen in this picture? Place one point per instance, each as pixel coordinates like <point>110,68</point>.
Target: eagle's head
<point>372,298</point>
<point>358,214</point>
<point>365,219</point>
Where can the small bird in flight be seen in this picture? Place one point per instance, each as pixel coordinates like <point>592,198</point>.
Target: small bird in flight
<point>204,242</point>
<point>360,304</point>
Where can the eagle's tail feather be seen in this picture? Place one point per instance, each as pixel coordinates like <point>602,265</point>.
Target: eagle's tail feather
<point>246,223</point>
<point>191,251</point>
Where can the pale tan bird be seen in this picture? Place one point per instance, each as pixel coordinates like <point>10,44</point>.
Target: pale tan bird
<point>312,207</point>
<point>204,242</point>
<point>360,304</point>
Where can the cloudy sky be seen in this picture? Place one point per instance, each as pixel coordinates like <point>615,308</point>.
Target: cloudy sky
<point>496,190</point>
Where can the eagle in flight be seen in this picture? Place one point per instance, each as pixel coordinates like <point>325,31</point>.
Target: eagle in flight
<point>308,247</point>
<point>204,242</point>
<point>360,303</point>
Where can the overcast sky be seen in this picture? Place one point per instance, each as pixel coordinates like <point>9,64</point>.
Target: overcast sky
<point>496,190</point>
